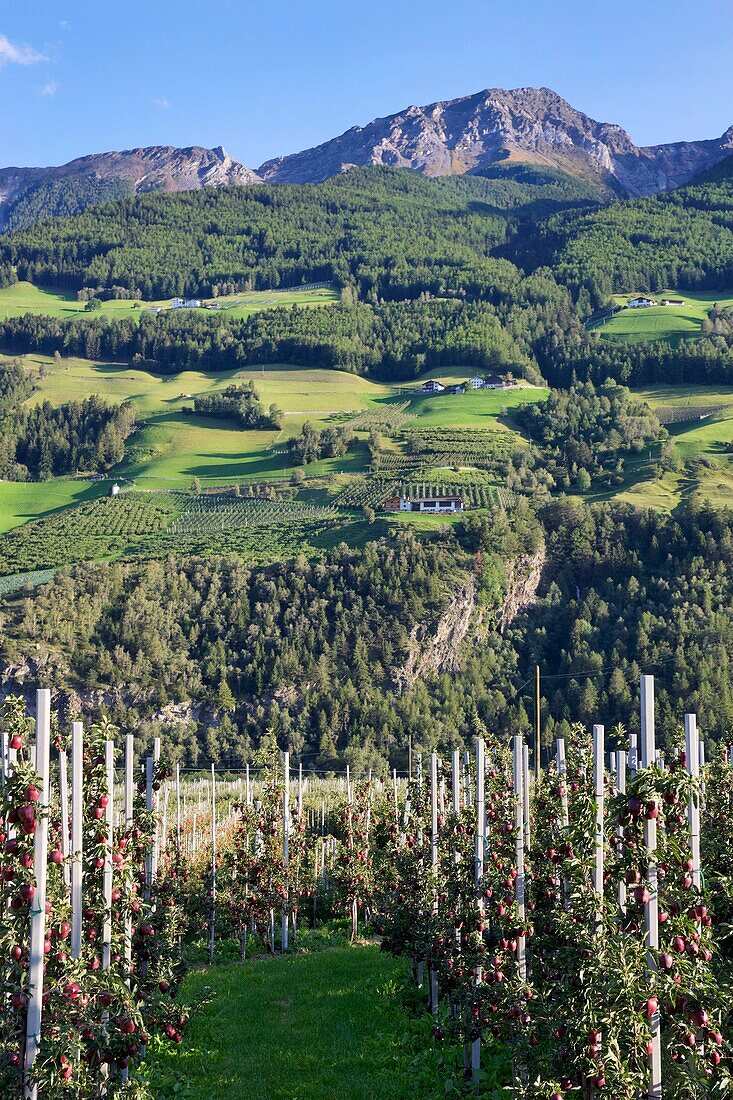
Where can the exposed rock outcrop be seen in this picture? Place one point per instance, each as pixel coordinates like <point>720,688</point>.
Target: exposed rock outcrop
<point>473,133</point>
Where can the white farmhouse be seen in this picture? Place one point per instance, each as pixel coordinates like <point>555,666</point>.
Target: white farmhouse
<point>476,383</point>
<point>641,303</point>
<point>432,386</point>
<point>440,504</point>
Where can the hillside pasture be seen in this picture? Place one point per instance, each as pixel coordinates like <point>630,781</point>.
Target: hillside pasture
<point>670,323</point>
<point>24,297</point>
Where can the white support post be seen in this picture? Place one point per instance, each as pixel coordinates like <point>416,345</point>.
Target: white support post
<point>300,789</point>
<point>129,795</point>
<point>621,786</point>
<point>693,808</point>
<point>701,764</point>
<point>178,810</point>
<point>64,806</point>
<point>434,864</point>
<point>153,806</point>
<point>150,858</point>
<point>77,833</point>
<point>479,853</point>
<point>212,929</point>
<point>456,780</point>
<point>286,847</point>
<point>109,761</point>
<point>38,903</point>
<point>525,797</point>
<point>598,784</point>
<point>562,779</point>
<point>651,909</point>
<point>247,786</point>
<point>633,754</point>
<point>519,881</point>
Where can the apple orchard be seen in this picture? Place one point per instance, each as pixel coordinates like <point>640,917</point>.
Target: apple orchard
<point>572,931</point>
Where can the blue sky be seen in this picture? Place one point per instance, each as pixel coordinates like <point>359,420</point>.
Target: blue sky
<point>264,77</point>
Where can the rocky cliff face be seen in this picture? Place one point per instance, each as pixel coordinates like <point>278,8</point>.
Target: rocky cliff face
<point>476,132</point>
<point>452,137</point>
<point>156,168</point>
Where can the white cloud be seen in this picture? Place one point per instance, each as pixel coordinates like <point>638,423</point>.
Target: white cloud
<point>164,103</point>
<point>49,89</point>
<point>12,54</point>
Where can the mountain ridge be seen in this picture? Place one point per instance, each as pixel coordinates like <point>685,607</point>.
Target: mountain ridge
<point>470,135</point>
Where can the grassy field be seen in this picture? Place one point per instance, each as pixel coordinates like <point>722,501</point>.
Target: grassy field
<point>672,323</point>
<point>26,298</point>
<point>322,1026</point>
<point>171,448</point>
<point>24,501</point>
<point>704,448</point>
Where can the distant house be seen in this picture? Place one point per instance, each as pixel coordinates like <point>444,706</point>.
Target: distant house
<point>641,303</point>
<point>153,309</point>
<point>460,388</point>
<point>673,301</point>
<point>186,303</point>
<point>492,382</point>
<point>432,387</point>
<point>442,504</point>
<point>115,490</point>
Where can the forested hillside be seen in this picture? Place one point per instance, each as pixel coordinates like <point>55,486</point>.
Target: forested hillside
<point>390,234</point>
<point>680,239</point>
<point>319,652</point>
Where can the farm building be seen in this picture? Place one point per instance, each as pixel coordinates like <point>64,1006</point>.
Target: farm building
<point>641,303</point>
<point>442,504</point>
<point>432,386</point>
<point>460,388</point>
<point>673,301</point>
<point>186,303</point>
<point>115,490</point>
<point>492,382</point>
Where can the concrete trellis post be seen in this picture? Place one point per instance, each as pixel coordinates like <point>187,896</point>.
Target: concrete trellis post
<point>64,807</point>
<point>651,909</point>
<point>286,848</point>
<point>212,932</point>
<point>562,778</point>
<point>152,806</point>
<point>434,864</point>
<point>621,786</point>
<point>109,762</point>
<point>519,882</point>
<point>129,795</point>
<point>478,875</point>
<point>178,809</point>
<point>456,781</point>
<point>633,754</point>
<point>77,833</point>
<point>525,796</point>
<point>693,808</point>
<point>38,906</point>
<point>598,786</point>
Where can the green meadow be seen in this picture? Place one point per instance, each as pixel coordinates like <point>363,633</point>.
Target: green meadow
<point>327,1024</point>
<point>24,297</point>
<point>24,501</point>
<point>704,449</point>
<point>170,447</point>
<point>671,323</point>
